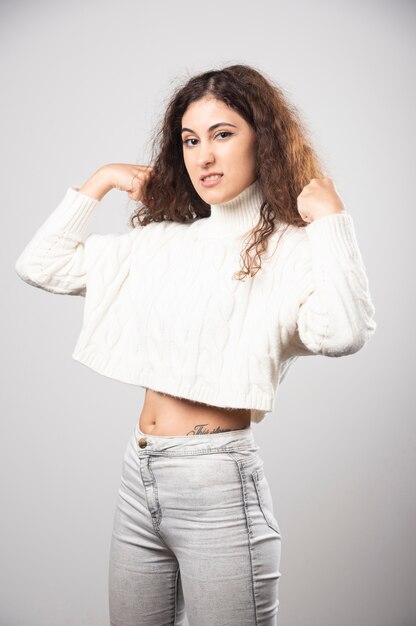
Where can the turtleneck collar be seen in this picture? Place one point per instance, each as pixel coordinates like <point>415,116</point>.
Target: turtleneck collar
<point>238,215</point>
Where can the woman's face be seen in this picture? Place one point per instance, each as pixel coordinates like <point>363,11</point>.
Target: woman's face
<point>228,149</point>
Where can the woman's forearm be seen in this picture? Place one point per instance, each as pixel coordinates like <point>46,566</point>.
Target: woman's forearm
<point>98,184</point>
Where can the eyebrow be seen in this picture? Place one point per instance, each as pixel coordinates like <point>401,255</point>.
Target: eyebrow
<point>211,127</point>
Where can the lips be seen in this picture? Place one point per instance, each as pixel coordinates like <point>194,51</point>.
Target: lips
<point>211,174</point>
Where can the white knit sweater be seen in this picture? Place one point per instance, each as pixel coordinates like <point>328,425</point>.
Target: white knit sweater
<point>163,311</point>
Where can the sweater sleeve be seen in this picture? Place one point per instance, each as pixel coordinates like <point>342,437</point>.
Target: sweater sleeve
<point>335,312</point>
<point>54,259</point>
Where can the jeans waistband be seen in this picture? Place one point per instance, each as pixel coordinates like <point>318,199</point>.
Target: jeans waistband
<point>241,439</point>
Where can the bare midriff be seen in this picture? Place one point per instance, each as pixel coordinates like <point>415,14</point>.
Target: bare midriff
<point>163,414</point>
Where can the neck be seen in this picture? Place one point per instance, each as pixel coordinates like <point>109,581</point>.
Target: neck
<point>238,215</point>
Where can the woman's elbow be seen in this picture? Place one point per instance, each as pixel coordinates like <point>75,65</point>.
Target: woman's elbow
<point>343,344</point>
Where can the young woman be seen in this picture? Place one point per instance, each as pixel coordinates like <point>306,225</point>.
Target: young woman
<point>234,178</point>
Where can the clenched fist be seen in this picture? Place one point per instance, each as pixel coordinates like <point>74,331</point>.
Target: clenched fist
<point>319,198</point>
<point>130,178</point>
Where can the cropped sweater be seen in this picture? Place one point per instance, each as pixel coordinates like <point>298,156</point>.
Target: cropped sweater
<point>163,311</point>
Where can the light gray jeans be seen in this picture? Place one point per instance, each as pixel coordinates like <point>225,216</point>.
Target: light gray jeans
<point>194,529</point>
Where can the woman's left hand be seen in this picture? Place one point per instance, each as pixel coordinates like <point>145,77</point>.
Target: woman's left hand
<point>318,199</point>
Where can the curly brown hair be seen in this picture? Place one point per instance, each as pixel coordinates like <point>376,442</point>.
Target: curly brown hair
<point>285,159</point>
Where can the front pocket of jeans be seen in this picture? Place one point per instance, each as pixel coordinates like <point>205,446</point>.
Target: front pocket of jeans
<point>265,498</point>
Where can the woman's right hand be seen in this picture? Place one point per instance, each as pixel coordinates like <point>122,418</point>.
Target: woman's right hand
<point>128,177</point>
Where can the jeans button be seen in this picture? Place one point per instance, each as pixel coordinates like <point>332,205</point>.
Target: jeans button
<point>142,442</point>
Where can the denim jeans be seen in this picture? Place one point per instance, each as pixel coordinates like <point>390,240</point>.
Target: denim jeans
<point>194,529</point>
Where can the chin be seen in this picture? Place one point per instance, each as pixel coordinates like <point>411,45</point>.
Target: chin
<point>216,197</point>
<point>209,194</point>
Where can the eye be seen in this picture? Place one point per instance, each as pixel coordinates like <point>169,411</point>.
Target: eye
<point>222,132</point>
<point>185,142</point>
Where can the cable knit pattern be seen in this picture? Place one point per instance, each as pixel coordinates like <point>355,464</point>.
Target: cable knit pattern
<point>163,311</point>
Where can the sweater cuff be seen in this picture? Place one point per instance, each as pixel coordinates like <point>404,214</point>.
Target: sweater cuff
<point>73,212</point>
<point>334,235</point>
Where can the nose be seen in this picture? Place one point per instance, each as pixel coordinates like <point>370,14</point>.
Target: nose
<point>205,155</point>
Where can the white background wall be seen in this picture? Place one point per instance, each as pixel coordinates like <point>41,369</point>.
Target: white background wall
<point>83,84</point>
